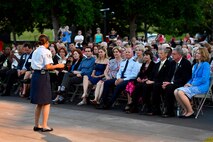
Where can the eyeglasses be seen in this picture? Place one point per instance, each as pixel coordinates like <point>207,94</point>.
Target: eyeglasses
<point>87,51</point>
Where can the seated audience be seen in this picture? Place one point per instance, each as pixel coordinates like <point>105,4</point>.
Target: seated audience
<point>76,76</point>
<point>97,73</point>
<point>179,74</point>
<point>110,73</point>
<point>77,58</point>
<point>198,84</point>
<point>143,75</point>
<point>129,69</point>
<point>152,90</point>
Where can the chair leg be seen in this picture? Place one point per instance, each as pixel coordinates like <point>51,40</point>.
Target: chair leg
<point>74,94</point>
<point>200,107</point>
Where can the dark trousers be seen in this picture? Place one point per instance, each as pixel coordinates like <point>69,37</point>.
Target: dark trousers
<point>70,79</point>
<point>11,77</point>
<point>170,98</point>
<point>108,84</point>
<point>144,90</point>
<point>156,97</point>
<point>140,92</point>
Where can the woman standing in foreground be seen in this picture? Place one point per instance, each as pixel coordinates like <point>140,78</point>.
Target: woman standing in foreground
<point>40,83</point>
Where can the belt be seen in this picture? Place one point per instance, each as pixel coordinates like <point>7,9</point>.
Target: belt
<point>43,72</point>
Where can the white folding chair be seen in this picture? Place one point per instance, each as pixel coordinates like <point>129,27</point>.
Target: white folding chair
<point>201,98</point>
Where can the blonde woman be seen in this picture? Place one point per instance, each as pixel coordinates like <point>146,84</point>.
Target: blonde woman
<point>97,74</point>
<point>139,50</point>
<point>110,73</point>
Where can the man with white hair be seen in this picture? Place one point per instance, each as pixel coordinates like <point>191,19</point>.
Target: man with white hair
<point>128,70</point>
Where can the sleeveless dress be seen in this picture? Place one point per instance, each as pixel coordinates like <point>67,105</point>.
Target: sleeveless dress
<point>98,38</point>
<point>99,70</point>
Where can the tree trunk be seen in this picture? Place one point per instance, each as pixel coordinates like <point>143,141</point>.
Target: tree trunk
<point>132,26</point>
<point>14,35</point>
<point>55,23</point>
<point>145,30</point>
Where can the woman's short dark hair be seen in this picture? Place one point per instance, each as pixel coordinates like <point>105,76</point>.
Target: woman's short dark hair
<point>148,52</point>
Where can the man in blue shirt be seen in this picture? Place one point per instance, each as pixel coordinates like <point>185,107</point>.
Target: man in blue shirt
<point>129,69</point>
<point>85,68</point>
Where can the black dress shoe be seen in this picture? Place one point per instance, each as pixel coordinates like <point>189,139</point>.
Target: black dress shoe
<point>47,129</point>
<point>167,115</point>
<point>153,113</point>
<point>181,116</point>
<point>37,128</point>
<point>102,106</point>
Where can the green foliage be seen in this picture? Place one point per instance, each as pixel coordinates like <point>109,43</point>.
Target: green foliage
<point>169,17</point>
<point>179,17</point>
<point>16,16</point>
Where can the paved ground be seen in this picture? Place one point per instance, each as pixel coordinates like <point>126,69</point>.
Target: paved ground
<point>86,124</point>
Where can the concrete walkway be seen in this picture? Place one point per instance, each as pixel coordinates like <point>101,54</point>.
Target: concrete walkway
<point>16,123</point>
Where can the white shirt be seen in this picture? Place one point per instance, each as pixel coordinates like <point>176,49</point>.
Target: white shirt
<point>161,64</point>
<point>40,58</point>
<point>132,69</point>
<point>77,38</point>
<point>15,63</point>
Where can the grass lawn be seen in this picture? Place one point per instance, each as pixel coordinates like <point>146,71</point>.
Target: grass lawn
<point>33,36</point>
<point>209,139</point>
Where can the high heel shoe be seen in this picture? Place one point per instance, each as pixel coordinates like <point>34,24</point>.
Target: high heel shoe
<point>47,129</point>
<point>37,128</point>
<point>128,106</point>
<point>94,102</point>
<point>189,116</point>
<point>82,103</point>
<point>22,95</point>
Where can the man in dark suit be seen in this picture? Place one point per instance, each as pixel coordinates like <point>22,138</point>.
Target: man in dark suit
<point>24,65</point>
<point>179,74</point>
<point>153,88</point>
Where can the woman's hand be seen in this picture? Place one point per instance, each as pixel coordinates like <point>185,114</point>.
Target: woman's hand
<point>92,75</point>
<point>107,77</point>
<point>118,81</point>
<point>139,79</point>
<point>60,66</point>
<point>187,85</point>
<point>149,82</point>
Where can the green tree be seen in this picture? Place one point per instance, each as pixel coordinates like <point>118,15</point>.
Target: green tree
<point>16,17</point>
<point>59,13</point>
<point>208,14</point>
<point>135,13</point>
<point>178,17</point>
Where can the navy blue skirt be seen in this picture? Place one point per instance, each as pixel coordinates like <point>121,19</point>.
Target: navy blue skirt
<point>40,90</point>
